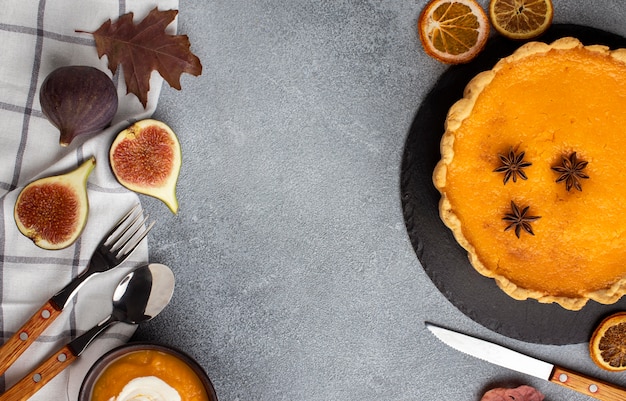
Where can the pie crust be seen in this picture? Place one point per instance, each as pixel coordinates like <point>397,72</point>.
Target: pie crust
<point>547,100</point>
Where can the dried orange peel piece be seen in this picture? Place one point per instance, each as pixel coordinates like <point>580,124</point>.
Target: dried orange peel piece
<point>607,346</point>
<point>521,19</point>
<point>453,31</point>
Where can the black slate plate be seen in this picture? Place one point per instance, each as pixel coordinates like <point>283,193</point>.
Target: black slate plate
<point>443,259</point>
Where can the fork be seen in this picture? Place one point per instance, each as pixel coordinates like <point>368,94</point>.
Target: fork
<point>112,250</point>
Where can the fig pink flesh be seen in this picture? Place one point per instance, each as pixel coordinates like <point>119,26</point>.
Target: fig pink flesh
<point>50,210</point>
<point>147,159</point>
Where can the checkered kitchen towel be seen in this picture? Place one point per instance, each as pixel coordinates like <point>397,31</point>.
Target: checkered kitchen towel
<point>36,37</point>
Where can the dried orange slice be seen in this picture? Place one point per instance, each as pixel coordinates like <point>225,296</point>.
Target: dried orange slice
<point>607,346</point>
<point>453,31</point>
<point>521,19</point>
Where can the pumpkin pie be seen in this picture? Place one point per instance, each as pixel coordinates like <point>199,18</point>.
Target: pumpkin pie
<point>532,174</point>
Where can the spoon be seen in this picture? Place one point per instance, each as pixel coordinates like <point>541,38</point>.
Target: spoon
<point>140,295</point>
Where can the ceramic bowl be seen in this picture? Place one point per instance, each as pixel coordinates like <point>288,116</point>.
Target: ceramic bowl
<point>107,359</point>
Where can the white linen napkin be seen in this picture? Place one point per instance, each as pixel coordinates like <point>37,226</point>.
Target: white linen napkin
<point>36,37</point>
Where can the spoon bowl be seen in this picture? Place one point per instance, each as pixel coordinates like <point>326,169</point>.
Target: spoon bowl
<point>141,295</point>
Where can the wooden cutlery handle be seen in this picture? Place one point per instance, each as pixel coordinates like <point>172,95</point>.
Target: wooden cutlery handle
<point>40,376</point>
<point>26,335</point>
<point>587,385</point>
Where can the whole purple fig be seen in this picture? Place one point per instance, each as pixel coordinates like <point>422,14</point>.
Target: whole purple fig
<point>78,100</point>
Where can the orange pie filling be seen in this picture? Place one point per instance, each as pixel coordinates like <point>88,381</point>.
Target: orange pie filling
<point>548,101</point>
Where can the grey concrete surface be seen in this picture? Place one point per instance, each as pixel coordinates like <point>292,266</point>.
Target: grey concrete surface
<point>296,279</point>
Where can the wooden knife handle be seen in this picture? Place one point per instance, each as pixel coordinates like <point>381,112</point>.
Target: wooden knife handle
<point>26,335</point>
<point>587,385</point>
<point>40,376</point>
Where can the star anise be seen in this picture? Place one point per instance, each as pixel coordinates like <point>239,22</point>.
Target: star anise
<point>519,220</point>
<point>512,166</point>
<point>571,170</point>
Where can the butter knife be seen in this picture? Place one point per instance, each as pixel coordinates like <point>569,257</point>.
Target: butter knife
<point>519,362</point>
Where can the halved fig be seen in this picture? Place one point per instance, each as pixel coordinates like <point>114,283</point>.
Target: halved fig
<point>146,158</point>
<point>52,211</point>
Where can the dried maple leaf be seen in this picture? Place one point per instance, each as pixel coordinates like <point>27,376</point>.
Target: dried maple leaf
<point>144,47</point>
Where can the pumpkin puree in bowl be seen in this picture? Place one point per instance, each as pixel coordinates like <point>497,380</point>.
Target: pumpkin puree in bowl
<point>149,364</point>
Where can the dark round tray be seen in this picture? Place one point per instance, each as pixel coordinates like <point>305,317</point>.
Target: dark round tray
<point>444,261</point>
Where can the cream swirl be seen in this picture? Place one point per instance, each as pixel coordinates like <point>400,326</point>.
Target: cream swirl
<point>149,388</point>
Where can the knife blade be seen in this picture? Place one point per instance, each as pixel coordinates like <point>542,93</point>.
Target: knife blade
<point>514,360</point>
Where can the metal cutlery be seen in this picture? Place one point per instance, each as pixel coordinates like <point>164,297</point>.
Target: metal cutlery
<point>114,248</point>
<point>140,295</point>
<point>519,362</point>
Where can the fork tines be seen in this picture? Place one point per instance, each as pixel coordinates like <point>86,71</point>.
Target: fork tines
<point>128,233</point>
